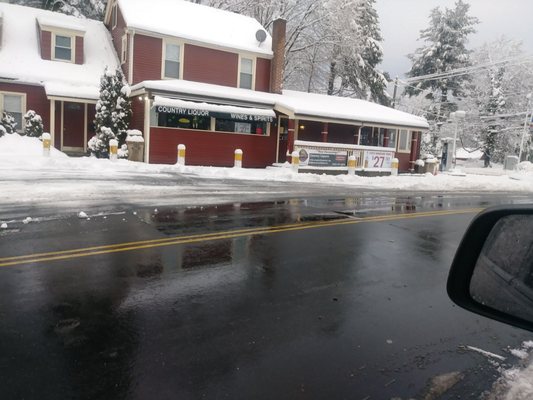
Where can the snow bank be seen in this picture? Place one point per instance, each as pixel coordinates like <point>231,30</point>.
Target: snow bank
<point>15,149</point>
<point>514,383</point>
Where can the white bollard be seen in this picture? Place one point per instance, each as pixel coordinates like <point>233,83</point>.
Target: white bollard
<point>238,159</point>
<point>113,146</point>
<point>394,167</point>
<point>181,154</point>
<point>351,165</point>
<point>295,161</point>
<point>46,144</point>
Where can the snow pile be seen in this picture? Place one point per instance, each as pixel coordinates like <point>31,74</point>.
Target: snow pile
<point>134,135</point>
<point>525,166</point>
<point>515,383</point>
<point>16,149</point>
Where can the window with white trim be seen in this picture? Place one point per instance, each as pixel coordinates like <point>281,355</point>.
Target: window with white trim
<point>63,48</point>
<point>124,49</point>
<point>172,62</point>
<point>404,142</point>
<point>13,104</point>
<point>246,74</point>
<point>114,13</point>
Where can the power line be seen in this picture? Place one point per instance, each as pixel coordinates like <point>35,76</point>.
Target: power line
<point>467,70</point>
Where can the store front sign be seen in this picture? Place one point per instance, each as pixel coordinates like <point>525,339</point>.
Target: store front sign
<point>215,114</point>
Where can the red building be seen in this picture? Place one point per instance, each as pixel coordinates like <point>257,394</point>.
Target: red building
<point>213,82</point>
<point>52,63</point>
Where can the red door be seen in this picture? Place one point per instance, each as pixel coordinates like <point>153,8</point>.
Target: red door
<point>73,124</point>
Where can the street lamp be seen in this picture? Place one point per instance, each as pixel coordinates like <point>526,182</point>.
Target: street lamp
<point>456,116</point>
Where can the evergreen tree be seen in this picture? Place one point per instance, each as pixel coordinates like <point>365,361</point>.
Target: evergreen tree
<point>93,9</point>
<point>113,112</point>
<point>361,72</point>
<point>495,106</point>
<point>445,50</point>
<point>8,123</point>
<point>33,124</point>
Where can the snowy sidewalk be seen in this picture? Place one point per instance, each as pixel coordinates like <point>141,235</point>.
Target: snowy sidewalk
<point>28,179</point>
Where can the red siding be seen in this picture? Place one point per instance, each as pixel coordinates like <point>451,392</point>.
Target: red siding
<point>262,75</point>
<point>147,55</point>
<point>35,100</point>
<point>80,53</point>
<point>404,164</point>
<point>116,35</point>
<point>212,148</point>
<point>46,45</point>
<point>210,66</point>
<point>137,114</point>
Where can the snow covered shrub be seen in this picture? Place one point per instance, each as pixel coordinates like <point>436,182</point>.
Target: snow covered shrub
<point>99,144</point>
<point>113,113</point>
<point>8,123</point>
<point>122,152</point>
<point>2,130</point>
<point>33,124</point>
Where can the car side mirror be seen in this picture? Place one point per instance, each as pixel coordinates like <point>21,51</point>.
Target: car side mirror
<point>492,272</point>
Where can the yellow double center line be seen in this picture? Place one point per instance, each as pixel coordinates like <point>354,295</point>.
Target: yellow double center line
<point>176,240</point>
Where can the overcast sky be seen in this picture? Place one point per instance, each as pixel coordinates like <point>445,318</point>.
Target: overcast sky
<point>402,20</point>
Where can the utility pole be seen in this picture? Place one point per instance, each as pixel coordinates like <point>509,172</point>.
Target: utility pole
<point>524,133</point>
<point>394,93</point>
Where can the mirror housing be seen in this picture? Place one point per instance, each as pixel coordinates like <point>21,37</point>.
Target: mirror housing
<point>492,271</point>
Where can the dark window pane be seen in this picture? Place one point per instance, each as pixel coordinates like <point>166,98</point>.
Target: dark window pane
<point>246,81</point>
<point>172,69</point>
<point>63,41</point>
<point>183,121</point>
<point>63,54</point>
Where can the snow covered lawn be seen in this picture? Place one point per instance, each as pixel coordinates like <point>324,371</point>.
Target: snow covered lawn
<point>26,177</point>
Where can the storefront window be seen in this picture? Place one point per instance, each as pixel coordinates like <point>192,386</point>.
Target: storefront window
<point>12,104</point>
<point>183,121</point>
<point>392,138</point>
<point>231,125</point>
<point>404,144</point>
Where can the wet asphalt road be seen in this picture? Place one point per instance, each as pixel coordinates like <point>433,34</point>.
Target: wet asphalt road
<point>348,302</point>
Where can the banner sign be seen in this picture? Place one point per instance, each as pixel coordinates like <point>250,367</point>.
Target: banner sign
<point>214,114</point>
<point>378,159</point>
<point>320,158</point>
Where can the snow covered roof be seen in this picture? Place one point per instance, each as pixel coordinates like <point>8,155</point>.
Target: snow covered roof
<point>20,56</point>
<point>59,22</point>
<point>296,104</point>
<point>197,90</point>
<point>197,23</point>
<point>302,105</point>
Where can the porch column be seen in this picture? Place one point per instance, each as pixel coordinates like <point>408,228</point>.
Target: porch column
<point>62,123</point>
<point>290,136</point>
<point>85,122</point>
<point>325,127</point>
<point>357,135</point>
<point>414,150</point>
<point>53,121</point>
<point>146,133</point>
<point>385,138</point>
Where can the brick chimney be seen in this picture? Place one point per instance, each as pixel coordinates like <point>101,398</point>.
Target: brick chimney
<point>279,29</point>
